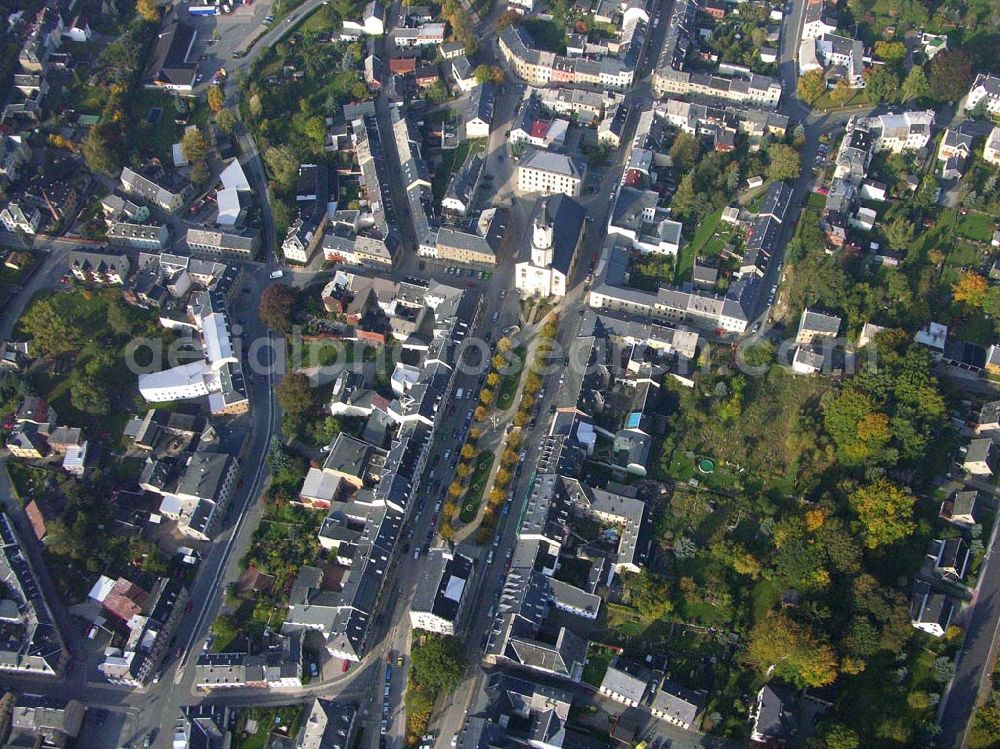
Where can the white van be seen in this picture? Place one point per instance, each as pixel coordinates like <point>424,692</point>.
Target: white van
<point>459,393</point>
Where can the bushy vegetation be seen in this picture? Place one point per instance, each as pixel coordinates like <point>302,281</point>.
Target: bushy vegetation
<point>437,664</point>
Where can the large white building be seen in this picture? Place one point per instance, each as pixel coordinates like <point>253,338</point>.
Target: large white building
<point>638,217</point>
<point>985,88</point>
<point>219,375</point>
<point>547,172</point>
<point>905,131</point>
<point>545,266</point>
<point>442,594</point>
<point>372,23</point>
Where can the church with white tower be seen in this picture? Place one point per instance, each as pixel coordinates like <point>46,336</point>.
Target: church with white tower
<point>545,267</point>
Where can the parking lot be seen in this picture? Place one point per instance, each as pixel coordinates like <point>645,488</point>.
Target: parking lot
<point>222,35</point>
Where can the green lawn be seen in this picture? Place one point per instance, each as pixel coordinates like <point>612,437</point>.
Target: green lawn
<point>694,248</point>
<point>509,381</point>
<point>815,200</point>
<point>976,226</point>
<point>477,485</point>
<point>826,101</point>
<point>268,720</point>
<point>27,481</point>
<point>450,162</point>
<point>598,659</point>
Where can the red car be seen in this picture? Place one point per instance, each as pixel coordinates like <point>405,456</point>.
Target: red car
<point>187,609</point>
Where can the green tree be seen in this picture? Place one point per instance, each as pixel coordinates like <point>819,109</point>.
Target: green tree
<point>811,86</point>
<point>885,512</point>
<point>90,384</point>
<point>915,86</point>
<point>282,165</point>
<point>276,304</point>
<point>359,91</point>
<point>54,330</point>
<point>986,723</point>
<point>62,541</point>
<point>226,121</point>
<point>841,93</point>
<point>684,151</point>
<point>100,148</point>
<point>297,399</point>
<point>648,594</point>
<point>482,73</point>
<point>439,663</point>
<point>437,93</point>
<point>794,651</point>
<point>882,85</point>
<point>839,736</point>
<point>685,200</point>
<point>858,430</point>
<point>784,162</point>
<point>890,51</point>
<point>194,146</point>
<point>949,74</point>
<point>899,233</point>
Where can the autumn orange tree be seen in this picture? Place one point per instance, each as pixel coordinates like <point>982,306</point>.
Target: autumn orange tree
<point>216,99</point>
<point>793,650</point>
<point>971,289</point>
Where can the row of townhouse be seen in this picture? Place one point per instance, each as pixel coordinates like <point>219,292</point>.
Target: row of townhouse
<point>671,76</point>
<point>541,68</point>
<point>33,643</point>
<point>37,204</point>
<point>697,119</point>
<point>416,180</point>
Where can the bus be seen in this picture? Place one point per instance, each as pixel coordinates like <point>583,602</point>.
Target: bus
<point>203,10</point>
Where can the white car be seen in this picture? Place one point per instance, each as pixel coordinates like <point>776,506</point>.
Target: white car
<point>277,274</point>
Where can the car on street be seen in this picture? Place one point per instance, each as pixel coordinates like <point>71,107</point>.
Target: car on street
<point>399,662</point>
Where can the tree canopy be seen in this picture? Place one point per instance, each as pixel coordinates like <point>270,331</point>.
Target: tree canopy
<point>784,162</point>
<point>793,650</point>
<point>439,663</point>
<point>276,304</point>
<point>949,75</point>
<point>885,512</point>
<point>811,86</point>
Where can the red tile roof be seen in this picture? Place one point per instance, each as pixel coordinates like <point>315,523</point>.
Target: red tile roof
<point>539,128</point>
<point>125,600</point>
<point>35,518</point>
